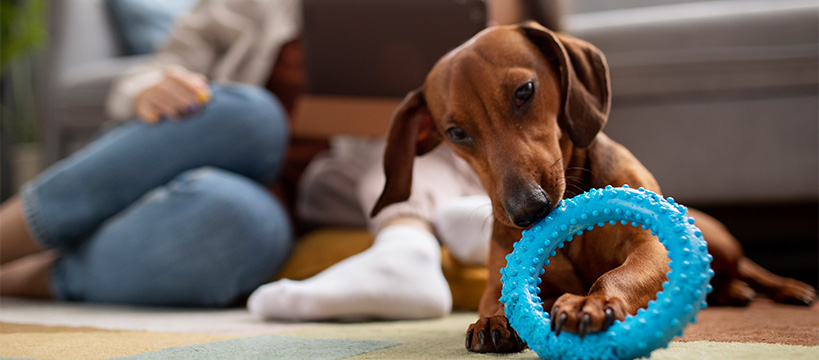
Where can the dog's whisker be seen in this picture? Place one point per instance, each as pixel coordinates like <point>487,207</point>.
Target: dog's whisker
<point>572,190</point>
<point>575,185</point>
<point>574,178</point>
<point>488,217</point>
<point>578,168</point>
<point>488,221</point>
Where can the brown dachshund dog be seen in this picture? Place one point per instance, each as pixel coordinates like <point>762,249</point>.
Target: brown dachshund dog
<point>525,108</point>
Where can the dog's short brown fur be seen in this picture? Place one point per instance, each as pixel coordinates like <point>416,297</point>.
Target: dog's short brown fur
<point>525,108</point>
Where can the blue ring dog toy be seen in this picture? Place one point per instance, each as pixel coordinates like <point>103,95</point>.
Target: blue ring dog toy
<point>638,335</point>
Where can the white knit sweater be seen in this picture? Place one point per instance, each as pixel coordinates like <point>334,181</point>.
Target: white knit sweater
<point>226,40</point>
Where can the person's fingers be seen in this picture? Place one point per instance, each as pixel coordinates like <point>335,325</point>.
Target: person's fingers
<point>180,98</point>
<point>146,113</point>
<point>194,83</point>
<point>164,106</point>
<point>145,107</point>
<point>179,94</point>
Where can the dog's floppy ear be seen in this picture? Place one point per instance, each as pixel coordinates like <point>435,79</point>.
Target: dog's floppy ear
<point>584,76</point>
<point>412,133</point>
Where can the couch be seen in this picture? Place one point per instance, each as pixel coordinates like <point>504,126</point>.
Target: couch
<point>86,52</point>
<point>718,99</point>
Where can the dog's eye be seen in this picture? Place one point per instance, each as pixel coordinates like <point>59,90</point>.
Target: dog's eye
<point>457,135</point>
<point>524,93</point>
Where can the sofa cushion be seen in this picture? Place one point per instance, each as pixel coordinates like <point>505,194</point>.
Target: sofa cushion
<point>713,47</point>
<point>79,98</point>
<point>145,24</point>
<point>718,98</point>
<point>586,6</point>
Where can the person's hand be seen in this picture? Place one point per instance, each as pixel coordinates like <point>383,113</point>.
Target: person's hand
<point>179,94</point>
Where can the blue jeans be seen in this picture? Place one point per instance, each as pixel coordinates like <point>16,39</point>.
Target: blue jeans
<point>173,214</point>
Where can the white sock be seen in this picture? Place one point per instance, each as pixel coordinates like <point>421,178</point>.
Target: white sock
<point>465,226</point>
<point>398,277</point>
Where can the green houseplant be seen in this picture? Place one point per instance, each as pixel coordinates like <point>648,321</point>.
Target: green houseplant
<point>23,33</point>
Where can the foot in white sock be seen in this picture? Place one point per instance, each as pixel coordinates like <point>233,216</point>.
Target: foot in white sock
<point>465,226</point>
<point>399,277</point>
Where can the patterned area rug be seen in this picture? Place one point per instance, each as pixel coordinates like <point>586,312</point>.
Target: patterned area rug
<point>47,330</point>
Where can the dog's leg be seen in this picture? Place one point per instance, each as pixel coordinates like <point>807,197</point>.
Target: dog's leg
<point>618,292</point>
<point>729,289</point>
<point>779,289</point>
<point>492,333</point>
<point>738,278</point>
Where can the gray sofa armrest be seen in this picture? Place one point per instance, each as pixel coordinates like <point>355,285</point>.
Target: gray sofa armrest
<point>706,47</point>
<point>717,98</point>
<point>84,55</point>
<point>78,105</point>
<point>81,31</point>
<point>82,93</point>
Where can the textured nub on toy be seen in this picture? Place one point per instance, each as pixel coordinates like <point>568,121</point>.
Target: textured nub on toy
<point>676,306</point>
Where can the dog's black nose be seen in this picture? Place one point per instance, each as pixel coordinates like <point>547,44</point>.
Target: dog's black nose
<point>525,208</point>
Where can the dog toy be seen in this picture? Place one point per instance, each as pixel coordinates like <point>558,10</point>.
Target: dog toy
<point>638,335</point>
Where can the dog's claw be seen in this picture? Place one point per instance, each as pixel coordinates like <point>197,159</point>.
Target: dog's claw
<point>609,319</point>
<point>561,320</point>
<point>518,340</point>
<point>584,324</point>
<point>808,297</point>
<point>493,335</point>
<point>496,337</point>
<point>506,345</point>
<point>555,311</point>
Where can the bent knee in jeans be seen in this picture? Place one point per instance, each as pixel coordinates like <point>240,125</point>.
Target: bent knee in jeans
<point>205,239</point>
<point>251,121</point>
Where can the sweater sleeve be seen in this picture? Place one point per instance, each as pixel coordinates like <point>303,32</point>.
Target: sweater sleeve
<point>193,44</point>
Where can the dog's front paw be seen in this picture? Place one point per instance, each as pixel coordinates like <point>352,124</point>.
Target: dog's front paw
<point>493,334</point>
<point>585,314</point>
